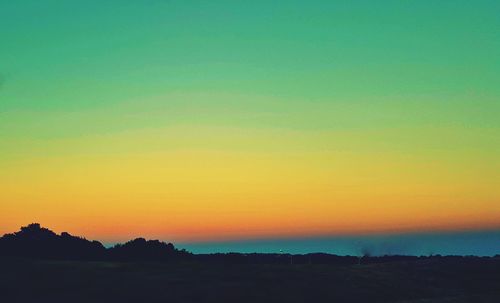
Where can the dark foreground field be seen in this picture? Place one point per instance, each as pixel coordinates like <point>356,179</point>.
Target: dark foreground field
<point>429,280</point>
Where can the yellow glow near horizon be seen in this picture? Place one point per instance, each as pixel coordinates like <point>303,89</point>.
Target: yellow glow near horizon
<point>197,195</point>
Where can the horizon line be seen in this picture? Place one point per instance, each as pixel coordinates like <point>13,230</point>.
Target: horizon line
<point>324,235</point>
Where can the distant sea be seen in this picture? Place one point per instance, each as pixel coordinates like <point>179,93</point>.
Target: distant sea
<point>479,243</point>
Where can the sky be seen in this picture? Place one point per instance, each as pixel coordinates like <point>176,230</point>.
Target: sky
<point>234,120</point>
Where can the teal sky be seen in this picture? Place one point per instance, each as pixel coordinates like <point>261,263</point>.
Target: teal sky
<point>102,52</point>
<point>294,65</point>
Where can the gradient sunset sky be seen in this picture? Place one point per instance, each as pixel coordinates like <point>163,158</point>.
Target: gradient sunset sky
<point>212,120</point>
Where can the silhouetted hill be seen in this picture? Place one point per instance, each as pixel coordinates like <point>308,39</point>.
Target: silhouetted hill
<point>34,241</point>
<point>38,242</point>
<point>142,250</point>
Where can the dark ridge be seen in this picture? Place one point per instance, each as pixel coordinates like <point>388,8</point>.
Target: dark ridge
<point>140,249</point>
<point>36,242</point>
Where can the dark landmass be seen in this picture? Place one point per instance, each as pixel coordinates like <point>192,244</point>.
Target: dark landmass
<point>37,265</point>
